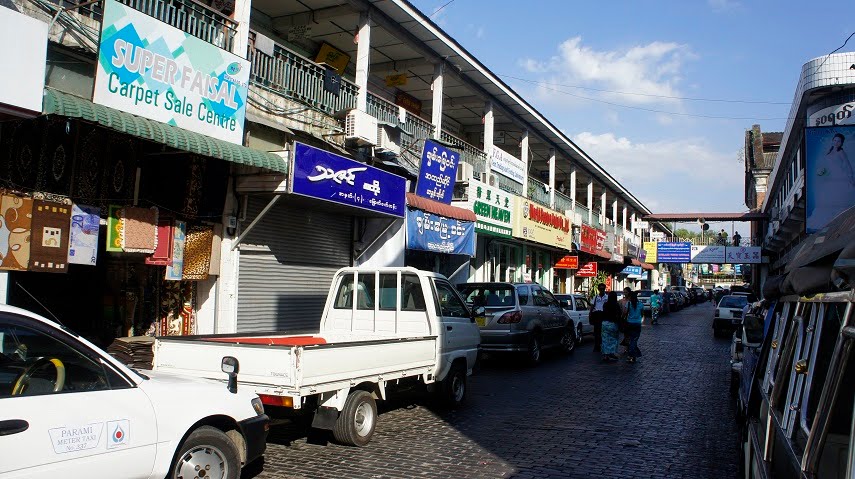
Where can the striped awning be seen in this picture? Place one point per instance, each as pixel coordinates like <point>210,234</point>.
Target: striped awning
<point>437,208</point>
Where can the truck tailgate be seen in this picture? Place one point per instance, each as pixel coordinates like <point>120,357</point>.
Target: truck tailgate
<point>259,364</point>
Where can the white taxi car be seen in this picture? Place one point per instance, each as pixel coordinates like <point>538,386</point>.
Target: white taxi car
<point>68,409</point>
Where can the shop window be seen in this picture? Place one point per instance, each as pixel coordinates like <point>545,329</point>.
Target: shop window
<point>33,364</point>
<point>412,296</point>
<point>389,292</point>
<point>344,295</point>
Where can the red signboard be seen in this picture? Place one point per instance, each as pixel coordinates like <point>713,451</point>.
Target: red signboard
<point>588,271</point>
<point>593,240</point>
<point>568,262</point>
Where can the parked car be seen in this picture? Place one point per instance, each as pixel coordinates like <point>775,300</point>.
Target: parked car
<point>684,292</point>
<point>669,302</point>
<point>68,409</point>
<point>577,307</point>
<point>644,296</point>
<point>520,317</point>
<point>752,298</point>
<point>728,314</point>
<point>700,295</point>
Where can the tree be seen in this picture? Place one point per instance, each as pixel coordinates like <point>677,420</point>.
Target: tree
<point>684,234</point>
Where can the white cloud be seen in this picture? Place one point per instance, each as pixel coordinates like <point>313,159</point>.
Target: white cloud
<point>720,6</point>
<point>654,69</point>
<point>480,32</point>
<point>685,174</point>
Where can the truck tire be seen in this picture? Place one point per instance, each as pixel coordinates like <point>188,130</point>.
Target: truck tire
<point>206,449</point>
<point>355,424</point>
<point>453,388</point>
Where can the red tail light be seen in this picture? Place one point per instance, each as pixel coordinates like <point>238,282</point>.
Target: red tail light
<point>716,312</point>
<point>511,317</point>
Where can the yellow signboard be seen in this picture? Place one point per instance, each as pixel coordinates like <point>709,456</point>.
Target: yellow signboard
<point>650,248</point>
<point>540,224</point>
<point>396,80</point>
<point>332,56</point>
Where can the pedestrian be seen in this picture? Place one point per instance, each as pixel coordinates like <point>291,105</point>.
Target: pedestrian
<point>596,316</point>
<point>611,319</point>
<point>632,329</point>
<point>624,301</point>
<point>737,239</point>
<point>722,237</point>
<point>655,304</point>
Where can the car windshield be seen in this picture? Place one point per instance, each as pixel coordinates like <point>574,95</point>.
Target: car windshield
<point>733,302</point>
<point>489,295</point>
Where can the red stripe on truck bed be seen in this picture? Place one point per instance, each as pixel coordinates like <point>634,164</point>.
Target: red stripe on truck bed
<point>275,341</point>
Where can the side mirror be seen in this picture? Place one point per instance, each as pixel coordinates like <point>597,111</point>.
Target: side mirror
<point>231,366</point>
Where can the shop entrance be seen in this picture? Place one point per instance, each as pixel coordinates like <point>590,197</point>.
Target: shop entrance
<point>503,262</point>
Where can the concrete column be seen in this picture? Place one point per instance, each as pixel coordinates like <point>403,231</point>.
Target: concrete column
<point>603,214</point>
<point>436,108</point>
<point>624,217</point>
<point>573,188</point>
<point>524,158</point>
<point>363,50</point>
<point>591,201</point>
<point>489,127</point>
<point>632,221</point>
<point>240,45</point>
<point>614,214</point>
<point>226,295</point>
<point>552,178</point>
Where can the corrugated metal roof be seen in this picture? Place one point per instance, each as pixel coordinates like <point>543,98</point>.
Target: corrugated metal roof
<point>63,104</point>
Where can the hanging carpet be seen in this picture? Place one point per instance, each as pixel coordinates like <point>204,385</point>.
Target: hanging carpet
<point>139,230</point>
<point>16,216</point>
<point>49,247</point>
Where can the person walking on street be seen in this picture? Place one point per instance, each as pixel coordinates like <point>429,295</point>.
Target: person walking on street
<point>633,327</point>
<point>624,301</point>
<point>611,318</point>
<point>655,304</point>
<point>596,316</point>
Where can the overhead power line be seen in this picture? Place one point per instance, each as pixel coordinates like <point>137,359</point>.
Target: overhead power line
<point>834,51</point>
<point>449,2</point>
<point>649,95</point>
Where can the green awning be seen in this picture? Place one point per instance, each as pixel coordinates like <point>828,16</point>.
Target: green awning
<point>63,104</point>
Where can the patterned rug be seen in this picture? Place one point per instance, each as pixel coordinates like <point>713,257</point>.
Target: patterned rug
<point>197,252</point>
<point>161,255</point>
<point>16,216</point>
<point>49,246</point>
<point>176,309</point>
<point>114,229</point>
<point>139,232</point>
<point>83,241</point>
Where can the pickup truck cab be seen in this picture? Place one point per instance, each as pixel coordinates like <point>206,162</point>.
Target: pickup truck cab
<point>68,409</point>
<point>578,308</point>
<point>380,328</point>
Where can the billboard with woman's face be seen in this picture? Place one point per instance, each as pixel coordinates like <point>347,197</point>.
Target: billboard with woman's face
<point>829,174</point>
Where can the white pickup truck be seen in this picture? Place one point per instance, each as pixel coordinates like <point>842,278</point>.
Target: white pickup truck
<point>380,327</point>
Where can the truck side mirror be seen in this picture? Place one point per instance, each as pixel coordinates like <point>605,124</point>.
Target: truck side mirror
<point>231,366</point>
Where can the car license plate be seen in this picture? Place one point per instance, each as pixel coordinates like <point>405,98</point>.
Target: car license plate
<point>481,321</point>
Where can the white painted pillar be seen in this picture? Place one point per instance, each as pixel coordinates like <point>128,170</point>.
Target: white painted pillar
<point>573,188</point>
<point>489,127</point>
<point>436,108</point>
<point>552,178</point>
<point>632,222</point>
<point>624,218</point>
<point>591,201</point>
<point>226,295</point>
<point>240,45</point>
<point>614,214</point>
<point>524,158</point>
<point>603,214</point>
<point>363,50</point>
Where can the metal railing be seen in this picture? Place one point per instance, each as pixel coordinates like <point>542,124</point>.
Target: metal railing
<point>538,192</point>
<point>298,78</point>
<point>597,220</point>
<point>583,212</point>
<point>414,127</point>
<point>506,184</point>
<point>468,153</point>
<point>563,202</point>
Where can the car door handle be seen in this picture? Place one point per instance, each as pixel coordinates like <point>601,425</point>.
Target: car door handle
<point>448,328</point>
<point>13,426</point>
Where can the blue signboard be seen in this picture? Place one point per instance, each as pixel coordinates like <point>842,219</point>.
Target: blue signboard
<point>430,232</point>
<point>632,271</point>
<point>737,269</point>
<point>437,172</point>
<point>676,252</point>
<point>330,177</point>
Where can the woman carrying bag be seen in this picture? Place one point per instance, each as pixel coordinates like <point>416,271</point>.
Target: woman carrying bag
<point>633,326</point>
<point>611,320</point>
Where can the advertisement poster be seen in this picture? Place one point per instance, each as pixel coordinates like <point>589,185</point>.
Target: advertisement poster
<point>506,164</point>
<point>708,254</point>
<point>83,241</point>
<point>326,176</point>
<point>674,251</point>
<point>589,270</point>
<point>437,172</point>
<point>542,225</point>
<point>159,72</point>
<point>743,255</point>
<point>567,262</point>
<point>493,207</point>
<point>829,174</point>
<point>649,248</point>
<point>430,232</point>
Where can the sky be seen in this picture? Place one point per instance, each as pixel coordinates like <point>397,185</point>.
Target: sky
<point>630,82</point>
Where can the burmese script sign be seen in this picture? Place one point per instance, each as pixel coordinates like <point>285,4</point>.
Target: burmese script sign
<point>542,225</point>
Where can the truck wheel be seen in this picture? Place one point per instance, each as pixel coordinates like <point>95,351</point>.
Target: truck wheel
<point>453,388</point>
<point>207,452</point>
<point>355,424</point>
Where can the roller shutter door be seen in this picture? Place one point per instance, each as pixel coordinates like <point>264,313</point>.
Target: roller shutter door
<point>286,266</point>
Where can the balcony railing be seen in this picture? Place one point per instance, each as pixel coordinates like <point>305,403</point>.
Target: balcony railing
<point>538,192</point>
<point>563,202</point>
<point>468,153</point>
<point>506,184</point>
<point>583,212</point>
<point>414,127</point>
<point>300,79</point>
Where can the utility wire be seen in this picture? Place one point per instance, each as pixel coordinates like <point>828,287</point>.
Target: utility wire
<point>721,100</point>
<point>833,52</point>
<point>449,2</point>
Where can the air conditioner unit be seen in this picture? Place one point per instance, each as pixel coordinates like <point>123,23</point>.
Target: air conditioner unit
<point>388,139</point>
<point>360,127</point>
<point>465,172</point>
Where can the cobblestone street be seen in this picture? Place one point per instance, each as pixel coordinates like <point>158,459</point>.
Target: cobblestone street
<point>668,416</point>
